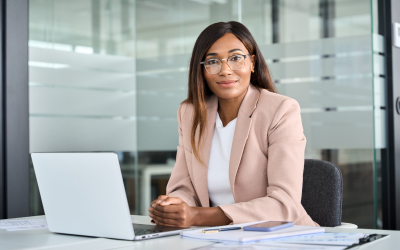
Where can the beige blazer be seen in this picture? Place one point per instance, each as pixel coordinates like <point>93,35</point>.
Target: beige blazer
<point>266,162</point>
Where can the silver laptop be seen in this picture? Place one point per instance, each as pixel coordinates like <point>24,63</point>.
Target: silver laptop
<point>84,194</point>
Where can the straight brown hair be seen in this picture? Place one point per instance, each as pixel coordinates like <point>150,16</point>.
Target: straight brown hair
<point>198,90</point>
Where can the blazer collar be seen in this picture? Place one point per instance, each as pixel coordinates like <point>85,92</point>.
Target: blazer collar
<point>250,100</point>
<point>242,129</point>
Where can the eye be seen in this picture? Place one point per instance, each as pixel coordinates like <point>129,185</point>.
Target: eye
<point>212,62</point>
<point>236,58</point>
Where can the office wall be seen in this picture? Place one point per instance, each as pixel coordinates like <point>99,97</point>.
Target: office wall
<point>110,75</point>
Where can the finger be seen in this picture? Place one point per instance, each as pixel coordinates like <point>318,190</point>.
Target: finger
<point>151,209</point>
<point>169,209</point>
<point>160,216</point>
<point>161,198</point>
<point>158,201</point>
<point>154,203</point>
<point>168,225</point>
<point>166,221</point>
<point>170,201</point>
<point>174,216</point>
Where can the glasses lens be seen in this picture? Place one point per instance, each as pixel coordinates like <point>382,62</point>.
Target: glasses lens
<point>236,62</point>
<point>213,66</point>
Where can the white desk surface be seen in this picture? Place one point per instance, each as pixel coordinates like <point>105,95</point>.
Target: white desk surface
<point>43,239</point>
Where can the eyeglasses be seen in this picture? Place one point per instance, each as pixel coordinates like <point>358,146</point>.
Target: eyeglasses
<point>214,65</point>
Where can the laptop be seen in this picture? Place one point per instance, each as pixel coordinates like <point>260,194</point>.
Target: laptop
<point>84,194</point>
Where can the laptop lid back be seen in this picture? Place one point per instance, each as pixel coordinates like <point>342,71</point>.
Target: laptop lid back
<point>83,194</point>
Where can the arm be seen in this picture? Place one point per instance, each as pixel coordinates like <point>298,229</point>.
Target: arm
<point>286,145</point>
<point>180,184</point>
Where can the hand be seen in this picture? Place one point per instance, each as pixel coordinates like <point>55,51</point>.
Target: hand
<point>172,211</point>
<point>157,201</point>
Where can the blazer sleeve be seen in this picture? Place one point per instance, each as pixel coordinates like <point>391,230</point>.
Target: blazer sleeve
<point>286,144</point>
<point>180,184</point>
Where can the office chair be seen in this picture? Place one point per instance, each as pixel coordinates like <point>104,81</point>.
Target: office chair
<point>322,192</point>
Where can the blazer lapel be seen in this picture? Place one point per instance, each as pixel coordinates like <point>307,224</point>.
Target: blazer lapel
<point>243,125</point>
<point>199,169</point>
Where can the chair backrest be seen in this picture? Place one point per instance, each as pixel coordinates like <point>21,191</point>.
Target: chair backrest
<point>322,192</point>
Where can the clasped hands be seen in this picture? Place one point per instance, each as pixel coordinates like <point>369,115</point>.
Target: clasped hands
<point>172,211</point>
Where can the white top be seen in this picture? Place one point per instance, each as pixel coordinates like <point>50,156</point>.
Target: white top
<point>219,188</point>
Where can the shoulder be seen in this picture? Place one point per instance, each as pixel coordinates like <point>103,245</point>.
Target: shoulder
<point>182,108</point>
<point>274,109</point>
<point>185,111</point>
<point>274,103</point>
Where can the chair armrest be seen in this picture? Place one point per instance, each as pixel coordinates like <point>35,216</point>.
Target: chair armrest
<point>347,225</point>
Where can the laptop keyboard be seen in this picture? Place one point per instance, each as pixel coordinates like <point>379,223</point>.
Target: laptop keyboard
<point>141,229</point>
<point>139,232</point>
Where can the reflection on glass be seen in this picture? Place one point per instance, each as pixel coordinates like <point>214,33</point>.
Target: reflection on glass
<point>109,76</point>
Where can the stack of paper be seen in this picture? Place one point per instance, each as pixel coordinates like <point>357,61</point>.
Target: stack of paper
<point>248,236</point>
<point>340,239</point>
<point>319,241</point>
<point>270,246</point>
<point>17,225</point>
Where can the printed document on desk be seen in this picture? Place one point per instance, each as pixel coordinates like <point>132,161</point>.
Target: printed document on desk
<point>18,225</point>
<point>269,246</point>
<point>248,236</point>
<point>334,239</point>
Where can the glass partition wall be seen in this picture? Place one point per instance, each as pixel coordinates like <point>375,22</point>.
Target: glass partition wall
<point>109,75</point>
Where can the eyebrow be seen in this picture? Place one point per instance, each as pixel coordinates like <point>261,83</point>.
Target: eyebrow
<point>230,51</point>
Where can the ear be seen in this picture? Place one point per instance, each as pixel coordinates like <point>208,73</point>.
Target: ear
<point>253,59</point>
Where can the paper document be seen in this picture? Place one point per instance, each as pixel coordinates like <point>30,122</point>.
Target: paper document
<point>247,236</point>
<point>18,225</point>
<point>269,246</point>
<point>340,239</point>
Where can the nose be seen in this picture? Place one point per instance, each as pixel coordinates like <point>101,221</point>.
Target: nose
<point>225,69</point>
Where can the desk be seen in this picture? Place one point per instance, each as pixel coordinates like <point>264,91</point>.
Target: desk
<point>43,239</point>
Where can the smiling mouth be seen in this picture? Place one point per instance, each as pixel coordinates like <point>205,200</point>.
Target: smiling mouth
<point>226,83</point>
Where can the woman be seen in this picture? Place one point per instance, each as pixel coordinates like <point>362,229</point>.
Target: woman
<point>241,145</point>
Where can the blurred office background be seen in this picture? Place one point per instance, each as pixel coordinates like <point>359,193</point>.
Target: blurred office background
<point>109,75</point>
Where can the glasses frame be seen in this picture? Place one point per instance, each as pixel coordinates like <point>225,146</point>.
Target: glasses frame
<point>227,61</point>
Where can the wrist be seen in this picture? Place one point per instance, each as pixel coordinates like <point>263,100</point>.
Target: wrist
<point>196,216</point>
<point>209,216</point>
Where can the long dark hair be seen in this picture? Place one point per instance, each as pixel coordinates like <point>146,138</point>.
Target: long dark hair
<point>198,90</point>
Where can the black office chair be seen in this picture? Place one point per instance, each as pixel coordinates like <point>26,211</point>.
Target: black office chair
<point>322,192</point>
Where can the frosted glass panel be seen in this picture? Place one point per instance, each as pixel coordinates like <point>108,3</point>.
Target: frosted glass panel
<point>79,78</point>
<point>330,93</point>
<point>64,134</point>
<point>82,60</point>
<point>332,79</point>
<point>81,102</point>
<point>338,129</point>
<point>72,92</point>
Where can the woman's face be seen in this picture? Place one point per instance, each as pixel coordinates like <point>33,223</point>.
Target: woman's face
<point>228,83</point>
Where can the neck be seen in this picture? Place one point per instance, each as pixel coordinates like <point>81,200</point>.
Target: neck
<point>228,109</point>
